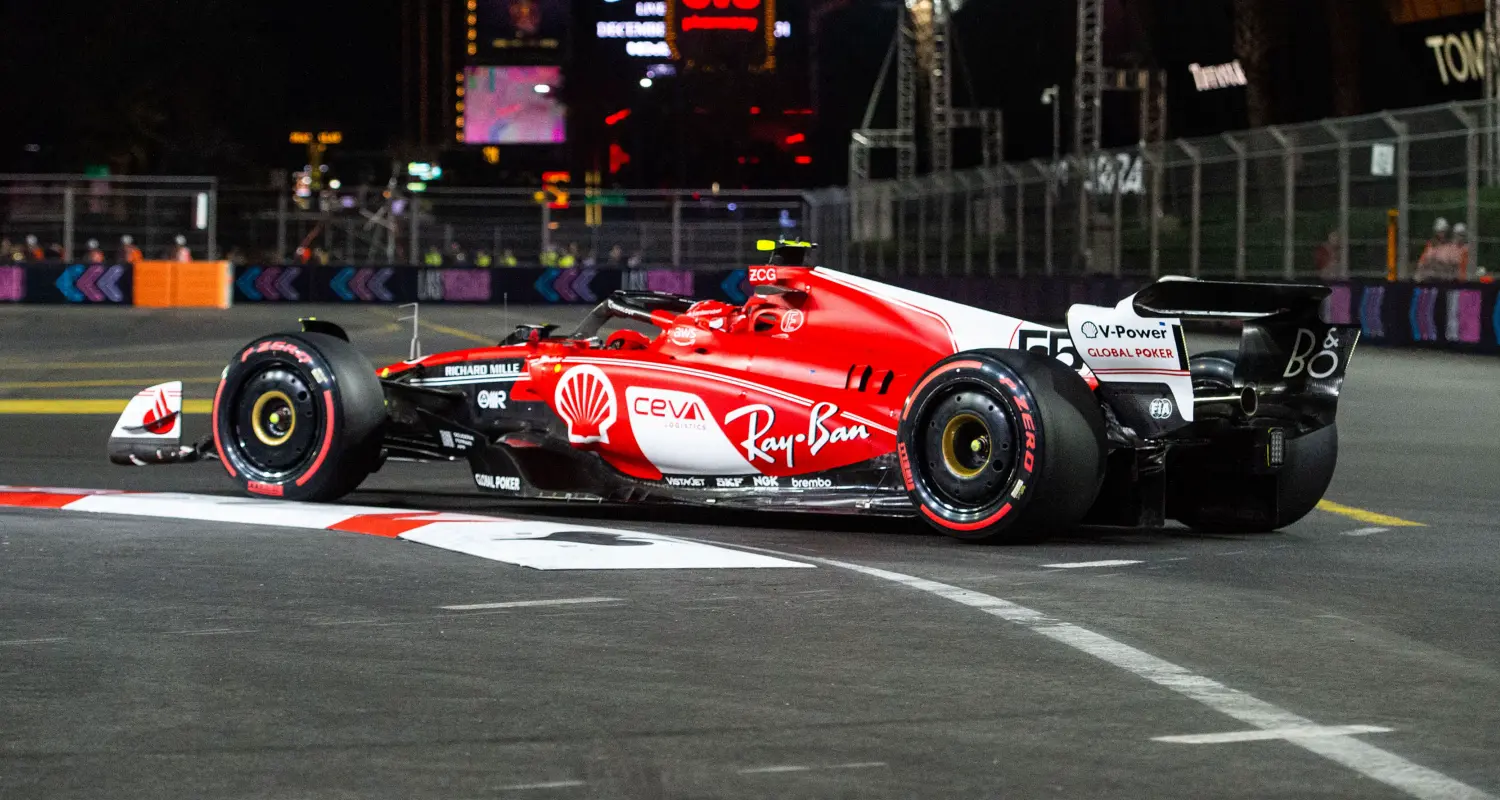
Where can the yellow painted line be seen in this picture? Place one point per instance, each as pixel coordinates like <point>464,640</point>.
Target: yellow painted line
<point>100,383</point>
<point>108,364</point>
<point>47,407</point>
<point>1372,517</point>
<point>462,334</point>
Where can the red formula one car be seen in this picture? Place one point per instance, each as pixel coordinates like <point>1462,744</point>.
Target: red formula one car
<point>823,392</point>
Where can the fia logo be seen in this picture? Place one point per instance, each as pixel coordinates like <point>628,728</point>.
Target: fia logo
<point>1161,408</point>
<point>585,399</point>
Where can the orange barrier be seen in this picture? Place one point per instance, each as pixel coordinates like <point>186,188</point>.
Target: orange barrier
<point>192,284</point>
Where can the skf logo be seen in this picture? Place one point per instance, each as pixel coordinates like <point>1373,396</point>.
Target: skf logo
<point>585,400</point>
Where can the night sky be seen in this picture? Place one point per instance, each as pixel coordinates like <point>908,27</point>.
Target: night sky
<point>214,86</point>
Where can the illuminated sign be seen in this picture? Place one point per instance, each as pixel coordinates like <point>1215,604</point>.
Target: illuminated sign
<point>511,25</point>
<point>1218,76</point>
<point>630,30</point>
<point>1460,56</point>
<point>715,34</point>
<point>321,137</point>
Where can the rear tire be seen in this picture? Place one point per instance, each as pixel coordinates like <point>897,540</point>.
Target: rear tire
<point>1001,445</point>
<point>1230,504</point>
<point>299,416</point>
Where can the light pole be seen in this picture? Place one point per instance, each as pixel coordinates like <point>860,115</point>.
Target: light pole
<point>1049,98</point>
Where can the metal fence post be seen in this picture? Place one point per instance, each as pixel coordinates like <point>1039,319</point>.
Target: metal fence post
<point>1049,209</point>
<point>1153,208</point>
<point>1471,154</point>
<point>922,230</point>
<point>1195,235</point>
<point>281,201</point>
<point>1241,191</point>
<point>1289,202</point>
<point>1343,139</point>
<point>68,223</point>
<point>1117,252</point>
<point>213,221</point>
<point>968,206</point>
<point>945,222</point>
<point>415,209</point>
<point>677,233</point>
<point>1403,194</point>
<point>1015,176</point>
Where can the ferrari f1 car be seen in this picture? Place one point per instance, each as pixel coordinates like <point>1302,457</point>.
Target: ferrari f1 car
<point>822,392</point>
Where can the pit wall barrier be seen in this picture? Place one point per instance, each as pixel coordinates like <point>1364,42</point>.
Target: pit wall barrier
<point>1458,317</point>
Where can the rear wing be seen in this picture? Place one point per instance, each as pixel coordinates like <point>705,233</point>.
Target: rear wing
<point>1288,356</point>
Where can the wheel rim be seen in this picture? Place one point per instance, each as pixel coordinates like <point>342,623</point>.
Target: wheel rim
<point>968,443</point>
<point>275,422</point>
<point>274,418</point>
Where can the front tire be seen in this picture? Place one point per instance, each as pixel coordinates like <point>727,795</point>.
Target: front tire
<point>1001,445</point>
<point>299,416</point>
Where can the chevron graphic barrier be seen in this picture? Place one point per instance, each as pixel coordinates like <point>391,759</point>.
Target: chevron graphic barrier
<point>74,284</point>
<point>1461,317</point>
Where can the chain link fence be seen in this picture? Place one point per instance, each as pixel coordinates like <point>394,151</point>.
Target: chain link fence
<point>65,212</point>
<point>1254,204</point>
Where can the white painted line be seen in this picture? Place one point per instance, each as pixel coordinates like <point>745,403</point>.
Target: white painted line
<point>521,787</point>
<point>1365,531</point>
<point>1272,733</point>
<point>808,768</point>
<point>1089,564</point>
<point>1365,759</point>
<point>18,642</point>
<point>562,601</point>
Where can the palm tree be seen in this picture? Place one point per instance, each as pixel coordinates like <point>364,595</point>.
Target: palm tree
<point>1252,43</point>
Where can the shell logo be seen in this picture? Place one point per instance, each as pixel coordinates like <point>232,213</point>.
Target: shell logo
<point>159,418</point>
<point>585,400</point>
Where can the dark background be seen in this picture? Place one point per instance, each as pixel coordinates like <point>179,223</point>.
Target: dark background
<point>214,86</point>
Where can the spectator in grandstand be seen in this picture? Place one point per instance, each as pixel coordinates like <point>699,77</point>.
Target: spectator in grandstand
<point>179,251</point>
<point>8,250</point>
<point>569,257</point>
<point>95,254</point>
<point>55,252</point>
<point>508,258</point>
<point>616,256</point>
<point>549,256</point>
<point>456,255</point>
<point>1439,261</point>
<point>1329,260</point>
<point>34,250</point>
<point>634,260</point>
<point>482,258</point>
<point>129,253</point>
<point>1464,250</point>
<point>433,257</point>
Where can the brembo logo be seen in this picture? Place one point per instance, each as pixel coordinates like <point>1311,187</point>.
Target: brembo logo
<point>585,400</point>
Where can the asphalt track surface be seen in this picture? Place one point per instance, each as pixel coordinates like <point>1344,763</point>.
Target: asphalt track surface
<point>159,658</point>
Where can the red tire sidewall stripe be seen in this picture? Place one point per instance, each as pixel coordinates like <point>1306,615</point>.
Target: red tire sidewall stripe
<point>218,440</point>
<point>967,526</point>
<point>328,430</point>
